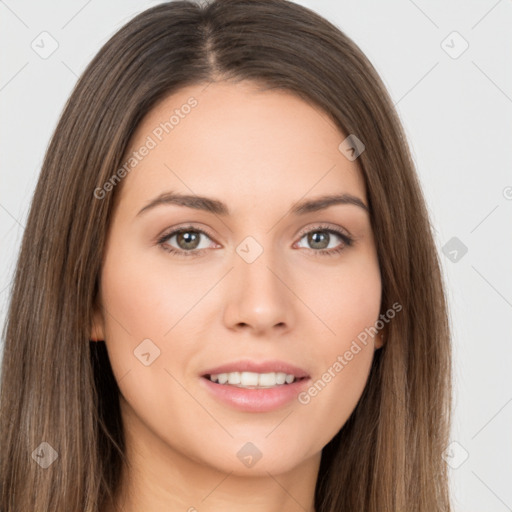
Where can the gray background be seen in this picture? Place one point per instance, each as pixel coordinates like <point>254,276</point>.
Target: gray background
<point>456,108</point>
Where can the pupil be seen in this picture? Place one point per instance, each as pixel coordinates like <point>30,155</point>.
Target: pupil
<point>314,239</point>
<point>190,241</point>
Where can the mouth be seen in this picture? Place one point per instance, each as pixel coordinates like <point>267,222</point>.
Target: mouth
<point>253,380</point>
<point>252,386</point>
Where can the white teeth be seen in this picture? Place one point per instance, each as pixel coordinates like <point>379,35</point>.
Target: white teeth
<point>251,379</point>
<point>280,378</point>
<point>234,378</point>
<point>267,379</point>
<point>223,378</point>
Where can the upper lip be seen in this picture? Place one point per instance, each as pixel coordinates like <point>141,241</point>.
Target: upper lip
<point>258,367</point>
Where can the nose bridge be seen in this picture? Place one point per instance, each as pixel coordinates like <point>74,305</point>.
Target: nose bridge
<point>256,267</point>
<point>257,294</point>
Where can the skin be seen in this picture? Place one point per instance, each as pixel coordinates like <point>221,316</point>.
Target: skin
<point>258,152</point>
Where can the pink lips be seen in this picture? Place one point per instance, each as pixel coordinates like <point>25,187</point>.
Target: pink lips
<point>256,400</point>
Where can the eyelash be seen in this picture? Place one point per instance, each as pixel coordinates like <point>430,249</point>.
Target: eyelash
<point>347,241</point>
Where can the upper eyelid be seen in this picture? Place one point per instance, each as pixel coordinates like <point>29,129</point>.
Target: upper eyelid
<point>324,226</point>
<point>174,231</point>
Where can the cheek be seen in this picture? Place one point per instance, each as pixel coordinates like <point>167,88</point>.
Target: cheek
<point>346,300</point>
<point>144,308</point>
<point>141,307</point>
<point>354,317</point>
<point>146,300</point>
<point>350,308</point>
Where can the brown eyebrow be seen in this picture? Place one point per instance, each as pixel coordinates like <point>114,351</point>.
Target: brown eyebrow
<point>323,202</point>
<point>219,208</point>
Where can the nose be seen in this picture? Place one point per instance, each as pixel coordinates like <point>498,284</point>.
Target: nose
<point>258,297</point>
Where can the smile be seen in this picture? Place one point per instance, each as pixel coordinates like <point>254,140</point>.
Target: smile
<point>253,380</point>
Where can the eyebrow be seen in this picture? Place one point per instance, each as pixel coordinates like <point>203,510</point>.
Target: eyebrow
<point>219,208</point>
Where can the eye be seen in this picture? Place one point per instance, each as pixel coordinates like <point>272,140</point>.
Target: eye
<point>188,240</point>
<point>320,239</point>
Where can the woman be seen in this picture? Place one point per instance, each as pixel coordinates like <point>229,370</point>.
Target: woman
<point>228,295</point>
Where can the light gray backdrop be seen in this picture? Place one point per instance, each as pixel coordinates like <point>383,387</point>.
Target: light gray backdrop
<point>448,67</point>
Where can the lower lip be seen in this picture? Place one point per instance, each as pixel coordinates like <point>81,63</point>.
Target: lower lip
<point>255,400</point>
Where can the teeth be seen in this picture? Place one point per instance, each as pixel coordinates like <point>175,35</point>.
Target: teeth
<point>280,378</point>
<point>223,378</point>
<point>248,379</point>
<point>253,380</point>
<point>267,379</point>
<point>233,378</point>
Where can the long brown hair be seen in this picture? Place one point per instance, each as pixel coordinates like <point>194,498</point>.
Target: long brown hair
<point>57,387</point>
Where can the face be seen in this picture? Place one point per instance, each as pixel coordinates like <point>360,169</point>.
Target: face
<point>251,288</point>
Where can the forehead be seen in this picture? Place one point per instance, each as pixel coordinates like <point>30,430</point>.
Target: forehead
<point>249,147</point>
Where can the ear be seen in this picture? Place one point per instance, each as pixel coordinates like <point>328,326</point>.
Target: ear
<point>379,339</point>
<point>98,326</point>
